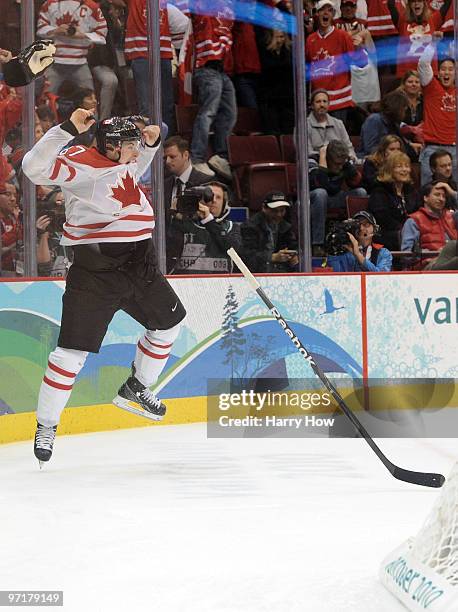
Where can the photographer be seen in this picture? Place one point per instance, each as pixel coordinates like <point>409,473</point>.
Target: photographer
<point>363,255</point>
<point>207,233</point>
<point>53,258</point>
<point>335,178</point>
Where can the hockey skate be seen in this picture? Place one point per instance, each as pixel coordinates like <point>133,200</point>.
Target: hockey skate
<point>134,397</point>
<point>44,442</point>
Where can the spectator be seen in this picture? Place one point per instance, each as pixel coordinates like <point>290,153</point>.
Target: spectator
<point>74,27</point>
<point>439,99</point>
<point>384,34</point>
<point>102,61</point>
<point>388,121</point>
<point>46,117</point>
<point>331,182</point>
<point>393,198</point>
<point>84,98</point>
<point>207,236</point>
<point>364,79</point>
<point>178,24</point>
<point>11,231</point>
<point>416,23</point>
<point>215,91</point>
<point>440,163</point>
<point>80,97</point>
<point>182,175</point>
<point>330,52</point>
<point>411,87</point>
<point>432,225</point>
<point>268,241</point>
<point>10,112</point>
<point>364,255</point>
<point>247,65</point>
<point>136,51</point>
<point>322,127</point>
<point>276,83</point>
<point>372,164</point>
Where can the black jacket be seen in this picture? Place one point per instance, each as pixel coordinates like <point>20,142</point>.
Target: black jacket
<point>391,211</point>
<point>205,246</point>
<point>174,244</point>
<point>255,244</point>
<point>195,178</point>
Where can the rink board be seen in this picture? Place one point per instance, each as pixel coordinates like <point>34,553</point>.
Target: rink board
<point>381,325</point>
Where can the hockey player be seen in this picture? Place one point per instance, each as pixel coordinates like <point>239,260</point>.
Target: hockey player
<point>108,223</point>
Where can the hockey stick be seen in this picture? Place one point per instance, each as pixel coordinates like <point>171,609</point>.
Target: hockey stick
<point>420,478</point>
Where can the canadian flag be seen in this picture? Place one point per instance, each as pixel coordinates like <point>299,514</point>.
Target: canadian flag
<point>185,67</point>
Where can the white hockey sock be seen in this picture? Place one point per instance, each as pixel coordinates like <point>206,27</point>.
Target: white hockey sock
<point>153,350</point>
<point>63,367</point>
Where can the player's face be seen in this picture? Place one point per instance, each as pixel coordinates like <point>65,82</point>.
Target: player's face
<point>325,17</point>
<point>176,161</point>
<point>412,85</point>
<point>447,74</point>
<point>391,148</point>
<point>130,150</point>
<point>216,207</point>
<point>444,166</point>
<point>436,199</point>
<point>320,104</point>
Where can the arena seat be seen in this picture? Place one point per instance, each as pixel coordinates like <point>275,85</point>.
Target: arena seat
<point>356,204</point>
<point>251,155</point>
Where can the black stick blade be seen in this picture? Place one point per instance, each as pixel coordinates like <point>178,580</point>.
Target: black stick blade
<point>419,478</point>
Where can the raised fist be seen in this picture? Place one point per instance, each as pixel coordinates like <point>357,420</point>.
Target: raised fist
<point>82,119</point>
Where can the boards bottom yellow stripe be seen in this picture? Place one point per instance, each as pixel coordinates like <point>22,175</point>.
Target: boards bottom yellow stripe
<point>102,417</point>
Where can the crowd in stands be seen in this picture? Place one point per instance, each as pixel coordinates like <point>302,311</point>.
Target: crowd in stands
<point>381,128</point>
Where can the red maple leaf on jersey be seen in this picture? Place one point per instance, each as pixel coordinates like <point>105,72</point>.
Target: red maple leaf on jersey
<point>126,191</point>
<point>66,19</point>
<point>322,63</point>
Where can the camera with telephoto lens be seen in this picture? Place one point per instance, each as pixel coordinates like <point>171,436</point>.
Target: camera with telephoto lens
<point>188,201</point>
<point>71,30</point>
<point>337,238</point>
<point>56,216</point>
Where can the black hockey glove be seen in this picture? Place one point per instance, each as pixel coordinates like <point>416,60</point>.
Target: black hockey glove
<point>30,63</point>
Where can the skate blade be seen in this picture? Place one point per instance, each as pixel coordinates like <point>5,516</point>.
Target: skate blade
<point>41,464</point>
<point>120,402</point>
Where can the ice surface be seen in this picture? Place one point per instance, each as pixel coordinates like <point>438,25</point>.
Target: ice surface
<point>163,519</point>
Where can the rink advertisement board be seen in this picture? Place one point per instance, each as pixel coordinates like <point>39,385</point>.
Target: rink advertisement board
<point>384,326</point>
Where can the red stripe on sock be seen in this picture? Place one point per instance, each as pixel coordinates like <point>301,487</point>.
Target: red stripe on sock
<point>55,368</point>
<point>150,354</point>
<point>164,346</point>
<point>56,385</point>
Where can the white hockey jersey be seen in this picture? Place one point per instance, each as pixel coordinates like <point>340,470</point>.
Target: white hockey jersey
<point>103,202</point>
<point>82,14</point>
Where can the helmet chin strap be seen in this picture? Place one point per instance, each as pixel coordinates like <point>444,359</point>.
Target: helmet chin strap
<point>116,148</point>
